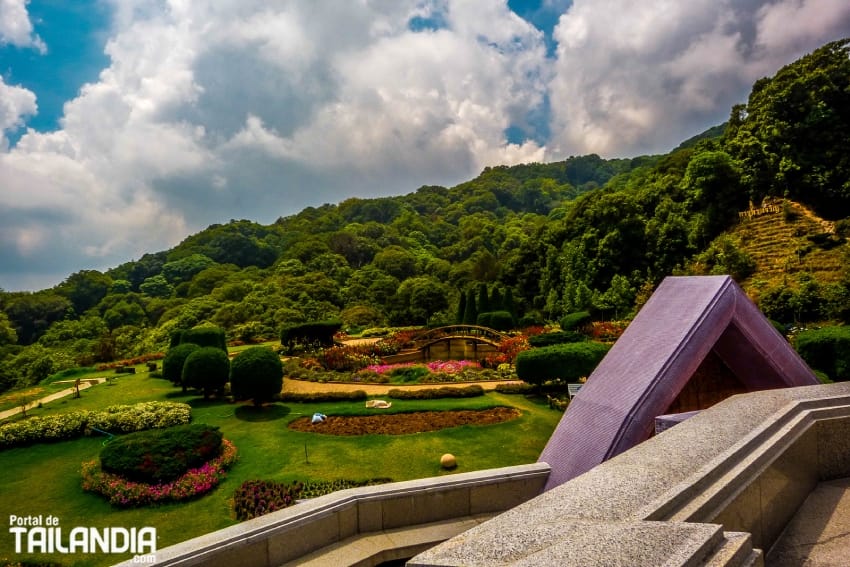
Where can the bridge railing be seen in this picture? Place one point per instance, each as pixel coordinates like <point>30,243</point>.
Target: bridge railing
<point>459,331</point>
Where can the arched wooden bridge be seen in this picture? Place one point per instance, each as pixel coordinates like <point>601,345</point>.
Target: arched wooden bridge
<point>452,342</point>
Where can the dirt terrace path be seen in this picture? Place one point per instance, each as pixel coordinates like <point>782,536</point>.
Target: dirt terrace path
<point>305,387</point>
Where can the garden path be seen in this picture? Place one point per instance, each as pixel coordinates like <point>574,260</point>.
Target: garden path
<point>304,386</point>
<point>87,383</point>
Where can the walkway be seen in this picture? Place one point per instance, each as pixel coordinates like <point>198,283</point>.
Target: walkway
<point>819,534</point>
<point>305,387</point>
<point>88,383</point>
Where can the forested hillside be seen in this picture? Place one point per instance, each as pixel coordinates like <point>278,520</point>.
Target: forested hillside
<point>584,233</point>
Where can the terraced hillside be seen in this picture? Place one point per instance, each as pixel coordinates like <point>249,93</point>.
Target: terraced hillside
<point>785,238</point>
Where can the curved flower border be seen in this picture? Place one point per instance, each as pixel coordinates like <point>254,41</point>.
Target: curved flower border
<point>125,493</point>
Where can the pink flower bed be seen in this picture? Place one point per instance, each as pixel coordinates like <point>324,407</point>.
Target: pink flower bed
<point>125,493</point>
<point>446,367</point>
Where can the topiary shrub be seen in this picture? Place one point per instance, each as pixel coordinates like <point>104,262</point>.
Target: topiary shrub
<point>575,321</point>
<point>172,364</point>
<point>565,363</point>
<point>161,455</point>
<point>827,350</point>
<point>556,338</point>
<point>257,374</point>
<point>207,369</point>
<point>205,337</point>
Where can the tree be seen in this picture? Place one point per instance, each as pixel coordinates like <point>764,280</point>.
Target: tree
<point>461,308</point>
<point>85,289</point>
<point>207,369</point>
<point>470,314</point>
<point>256,373</point>
<point>8,336</point>
<point>791,139</point>
<point>156,286</point>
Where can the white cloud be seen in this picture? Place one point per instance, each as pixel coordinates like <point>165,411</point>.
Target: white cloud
<point>219,109</point>
<point>246,109</point>
<point>15,103</point>
<point>635,77</point>
<point>16,27</point>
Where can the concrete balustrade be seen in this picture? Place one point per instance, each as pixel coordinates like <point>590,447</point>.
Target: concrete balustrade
<point>364,526</point>
<point>717,489</point>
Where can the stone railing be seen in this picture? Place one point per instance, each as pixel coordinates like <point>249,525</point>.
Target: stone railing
<point>364,526</point>
<point>715,490</point>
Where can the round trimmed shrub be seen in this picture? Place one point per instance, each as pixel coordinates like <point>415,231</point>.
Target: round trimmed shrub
<point>575,321</point>
<point>207,369</point>
<point>172,364</point>
<point>205,337</point>
<point>565,363</point>
<point>161,455</point>
<point>256,374</point>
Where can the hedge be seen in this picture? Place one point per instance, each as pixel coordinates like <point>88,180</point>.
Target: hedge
<point>471,391</point>
<point>827,350</point>
<point>114,419</point>
<point>556,338</point>
<point>321,332</point>
<point>566,363</point>
<point>307,397</point>
<point>498,320</point>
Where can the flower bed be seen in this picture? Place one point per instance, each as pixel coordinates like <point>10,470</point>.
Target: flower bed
<point>125,493</point>
<point>115,419</point>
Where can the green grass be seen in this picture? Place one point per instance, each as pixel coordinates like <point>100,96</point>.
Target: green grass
<point>45,479</point>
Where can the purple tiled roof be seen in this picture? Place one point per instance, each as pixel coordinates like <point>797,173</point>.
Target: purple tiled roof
<point>643,373</point>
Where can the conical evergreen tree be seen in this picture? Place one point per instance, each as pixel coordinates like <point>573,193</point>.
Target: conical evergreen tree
<point>461,309</point>
<point>508,303</point>
<point>470,314</point>
<point>483,299</point>
<point>496,300</point>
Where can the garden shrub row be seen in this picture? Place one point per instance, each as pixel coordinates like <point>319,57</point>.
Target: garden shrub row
<point>566,363</point>
<point>307,397</point>
<point>113,419</point>
<point>498,320</point>
<point>556,338</point>
<point>470,391</point>
<point>161,455</point>
<point>515,388</point>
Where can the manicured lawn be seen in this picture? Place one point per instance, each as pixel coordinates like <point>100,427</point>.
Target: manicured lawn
<point>44,479</point>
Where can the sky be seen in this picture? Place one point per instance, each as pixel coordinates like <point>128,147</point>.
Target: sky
<point>126,125</point>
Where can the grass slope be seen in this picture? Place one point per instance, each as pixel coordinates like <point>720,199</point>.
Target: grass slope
<point>45,479</point>
<point>778,244</point>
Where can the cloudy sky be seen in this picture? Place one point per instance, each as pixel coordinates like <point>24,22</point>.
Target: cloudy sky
<point>126,125</point>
